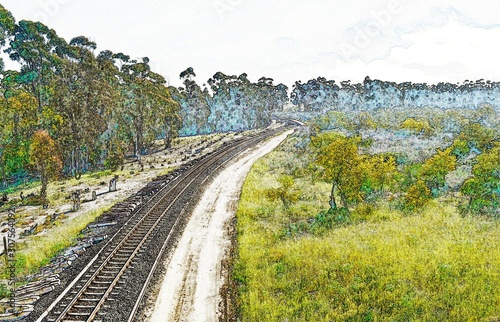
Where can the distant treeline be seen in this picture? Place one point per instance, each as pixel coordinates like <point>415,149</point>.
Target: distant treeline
<point>320,95</point>
<point>233,103</point>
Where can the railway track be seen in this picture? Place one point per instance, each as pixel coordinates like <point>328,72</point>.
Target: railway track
<point>111,286</point>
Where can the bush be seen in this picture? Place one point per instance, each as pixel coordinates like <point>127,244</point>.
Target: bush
<point>484,187</point>
<point>114,161</point>
<point>327,219</point>
<point>417,196</point>
<point>362,212</point>
<point>409,176</point>
<point>366,143</point>
<point>417,127</point>
<point>35,201</point>
<point>286,192</point>
<point>460,149</point>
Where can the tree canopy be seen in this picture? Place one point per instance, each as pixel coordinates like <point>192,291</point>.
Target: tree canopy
<point>100,107</point>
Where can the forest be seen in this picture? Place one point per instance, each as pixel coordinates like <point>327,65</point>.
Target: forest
<point>68,110</point>
<point>319,95</point>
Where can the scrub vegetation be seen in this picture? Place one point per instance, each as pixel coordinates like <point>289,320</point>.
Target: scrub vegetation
<point>356,235</point>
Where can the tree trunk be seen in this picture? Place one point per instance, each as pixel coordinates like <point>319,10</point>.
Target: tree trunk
<point>168,138</point>
<point>75,156</point>
<point>139,148</point>
<point>38,97</point>
<point>73,162</point>
<point>77,164</point>
<point>4,175</point>
<point>167,141</point>
<point>344,202</point>
<point>333,203</point>
<point>43,189</point>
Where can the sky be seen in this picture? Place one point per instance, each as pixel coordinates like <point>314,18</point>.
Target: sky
<point>288,40</point>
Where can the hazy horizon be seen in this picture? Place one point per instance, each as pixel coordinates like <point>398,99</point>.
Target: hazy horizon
<point>393,40</point>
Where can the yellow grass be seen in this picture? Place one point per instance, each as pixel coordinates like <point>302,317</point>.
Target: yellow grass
<point>434,265</point>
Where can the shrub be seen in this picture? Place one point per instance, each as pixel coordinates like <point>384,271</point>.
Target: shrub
<point>35,201</point>
<point>484,188</point>
<point>478,137</point>
<point>286,192</point>
<point>435,169</point>
<point>114,160</point>
<point>460,149</point>
<point>416,126</point>
<point>362,212</point>
<point>327,219</point>
<point>417,196</point>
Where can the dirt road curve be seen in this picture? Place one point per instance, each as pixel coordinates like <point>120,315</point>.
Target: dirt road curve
<point>190,288</point>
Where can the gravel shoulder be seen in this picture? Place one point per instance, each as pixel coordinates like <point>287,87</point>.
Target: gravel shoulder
<point>194,275</point>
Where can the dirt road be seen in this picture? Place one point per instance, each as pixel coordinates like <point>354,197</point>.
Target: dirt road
<point>190,288</point>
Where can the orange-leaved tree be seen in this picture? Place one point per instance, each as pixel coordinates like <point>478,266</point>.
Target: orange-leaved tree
<point>44,159</point>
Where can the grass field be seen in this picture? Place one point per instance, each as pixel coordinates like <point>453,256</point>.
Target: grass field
<point>433,265</point>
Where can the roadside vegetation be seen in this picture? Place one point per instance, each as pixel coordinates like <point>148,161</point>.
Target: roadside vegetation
<point>341,223</point>
<point>39,250</point>
<point>57,227</point>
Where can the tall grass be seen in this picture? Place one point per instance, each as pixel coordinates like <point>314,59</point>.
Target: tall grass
<point>434,265</point>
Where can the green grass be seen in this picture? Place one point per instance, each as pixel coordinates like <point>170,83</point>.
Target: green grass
<point>434,265</point>
<point>38,250</point>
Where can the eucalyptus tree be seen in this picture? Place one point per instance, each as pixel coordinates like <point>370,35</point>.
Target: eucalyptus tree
<point>239,104</point>
<point>116,134</point>
<point>44,159</point>
<point>83,99</point>
<point>143,98</point>
<point>169,116</point>
<point>7,27</point>
<point>270,98</point>
<point>226,113</point>
<point>38,49</point>
<point>341,165</point>
<point>317,95</point>
<point>195,104</point>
